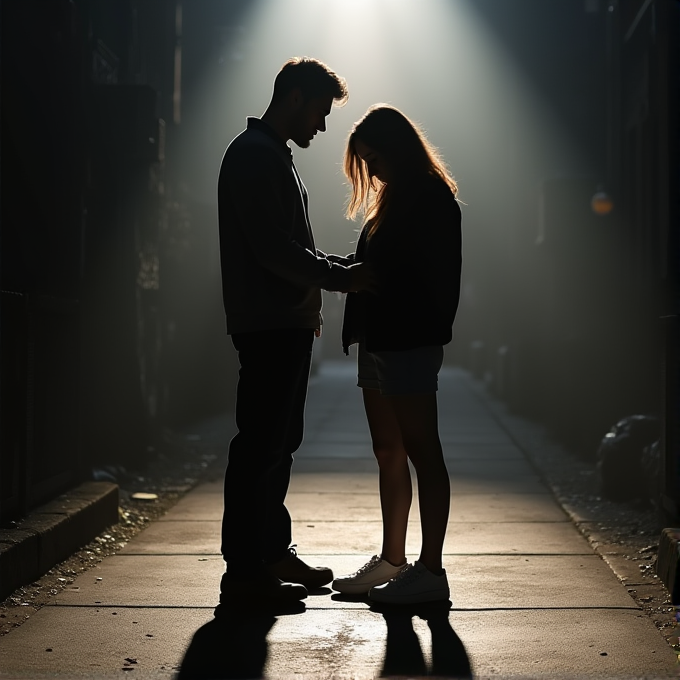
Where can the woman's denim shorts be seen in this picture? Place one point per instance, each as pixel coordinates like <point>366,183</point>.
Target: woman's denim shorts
<point>411,371</point>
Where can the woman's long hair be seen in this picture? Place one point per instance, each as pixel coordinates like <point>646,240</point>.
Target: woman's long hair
<point>409,154</point>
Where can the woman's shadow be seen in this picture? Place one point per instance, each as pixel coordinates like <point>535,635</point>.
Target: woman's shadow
<point>232,645</point>
<point>403,653</point>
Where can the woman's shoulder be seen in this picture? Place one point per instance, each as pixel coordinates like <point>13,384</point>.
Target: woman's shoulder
<point>431,187</point>
<point>436,195</point>
<point>426,197</point>
<point>438,185</point>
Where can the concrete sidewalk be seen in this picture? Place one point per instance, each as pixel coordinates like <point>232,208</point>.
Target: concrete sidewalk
<point>530,597</point>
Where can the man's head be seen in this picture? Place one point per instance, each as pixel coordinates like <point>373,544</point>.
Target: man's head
<point>305,91</point>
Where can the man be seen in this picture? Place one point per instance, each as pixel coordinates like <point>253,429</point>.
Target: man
<point>272,276</point>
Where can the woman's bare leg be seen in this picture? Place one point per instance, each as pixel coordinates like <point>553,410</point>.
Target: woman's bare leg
<point>416,415</point>
<point>395,477</point>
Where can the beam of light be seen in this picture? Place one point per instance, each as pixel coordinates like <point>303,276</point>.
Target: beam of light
<point>437,60</point>
<point>432,58</point>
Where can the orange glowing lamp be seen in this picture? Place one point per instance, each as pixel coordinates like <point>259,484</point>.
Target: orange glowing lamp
<point>601,202</point>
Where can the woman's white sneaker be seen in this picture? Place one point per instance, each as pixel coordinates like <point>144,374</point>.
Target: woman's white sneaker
<point>375,572</point>
<point>414,584</point>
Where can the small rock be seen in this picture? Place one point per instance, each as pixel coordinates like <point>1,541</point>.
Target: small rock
<point>141,496</point>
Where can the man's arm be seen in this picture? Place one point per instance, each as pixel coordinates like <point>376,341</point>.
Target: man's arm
<point>344,260</point>
<point>254,194</point>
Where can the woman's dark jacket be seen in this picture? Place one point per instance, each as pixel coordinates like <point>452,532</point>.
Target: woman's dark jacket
<point>416,255</point>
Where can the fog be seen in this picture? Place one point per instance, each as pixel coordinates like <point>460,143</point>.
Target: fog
<point>515,96</point>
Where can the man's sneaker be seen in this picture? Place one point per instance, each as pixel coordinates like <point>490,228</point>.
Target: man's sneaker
<point>414,584</point>
<point>373,573</point>
<point>292,568</point>
<point>263,589</point>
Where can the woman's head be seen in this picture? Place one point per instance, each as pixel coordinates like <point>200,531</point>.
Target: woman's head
<point>386,151</point>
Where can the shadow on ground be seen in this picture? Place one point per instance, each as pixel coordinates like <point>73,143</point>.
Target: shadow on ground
<point>403,653</point>
<point>229,647</point>
<point>235,645</point>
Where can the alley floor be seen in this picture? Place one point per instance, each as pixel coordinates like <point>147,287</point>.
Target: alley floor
<point>529,596</point>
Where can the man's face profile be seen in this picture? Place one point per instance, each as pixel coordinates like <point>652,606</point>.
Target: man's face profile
<point>310,119</point>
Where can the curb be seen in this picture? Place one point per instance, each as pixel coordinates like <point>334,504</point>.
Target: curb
<point>667,562</point>
<point>53,532</point>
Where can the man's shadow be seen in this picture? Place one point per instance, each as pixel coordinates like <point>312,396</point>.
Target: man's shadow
<point>403,653</point>
<point>232,645</point>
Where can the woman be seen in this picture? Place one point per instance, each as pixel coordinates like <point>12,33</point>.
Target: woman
<point>412,241</point>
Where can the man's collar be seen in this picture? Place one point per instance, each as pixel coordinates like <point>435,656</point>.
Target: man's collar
<point>259,124</point>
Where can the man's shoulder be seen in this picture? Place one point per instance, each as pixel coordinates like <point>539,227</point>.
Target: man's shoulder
<point>252,140</point>
<point>253,158</point>
<point>256,150</point>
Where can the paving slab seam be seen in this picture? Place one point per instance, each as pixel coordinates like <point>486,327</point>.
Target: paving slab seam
<point>354,610</point>
<point>130,606</point>
<point>364,522</point>
<point>536,608</point>
<point>214,556</point>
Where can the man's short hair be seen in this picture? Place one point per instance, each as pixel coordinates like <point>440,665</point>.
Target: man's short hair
<point>314,79</point>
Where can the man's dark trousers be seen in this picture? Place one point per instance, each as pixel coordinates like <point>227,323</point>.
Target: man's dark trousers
<point>270,403</point>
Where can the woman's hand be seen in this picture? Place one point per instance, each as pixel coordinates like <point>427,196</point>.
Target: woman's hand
<point>362,277</point>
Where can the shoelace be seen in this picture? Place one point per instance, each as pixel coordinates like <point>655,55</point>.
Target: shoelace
<point>406,575</point>
<point>369,566</point>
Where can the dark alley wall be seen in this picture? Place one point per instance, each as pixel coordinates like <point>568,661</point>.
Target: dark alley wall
<point>95,240</point>
<point>43,174</point>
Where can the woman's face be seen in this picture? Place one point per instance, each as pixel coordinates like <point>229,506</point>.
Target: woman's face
<point>376,163</point>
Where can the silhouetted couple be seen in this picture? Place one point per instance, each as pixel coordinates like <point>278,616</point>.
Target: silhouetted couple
<point>402,285</point>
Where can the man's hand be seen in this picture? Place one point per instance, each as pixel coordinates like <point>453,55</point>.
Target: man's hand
<point>362,277</point>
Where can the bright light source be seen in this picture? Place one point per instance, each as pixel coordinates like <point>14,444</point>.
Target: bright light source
<point>437,60</point>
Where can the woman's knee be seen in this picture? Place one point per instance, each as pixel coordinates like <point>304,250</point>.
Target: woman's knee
<point>425,454</point>
<point>389,455</point>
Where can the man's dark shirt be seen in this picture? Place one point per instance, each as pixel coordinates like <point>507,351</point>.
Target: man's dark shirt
<point>272,273</point>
